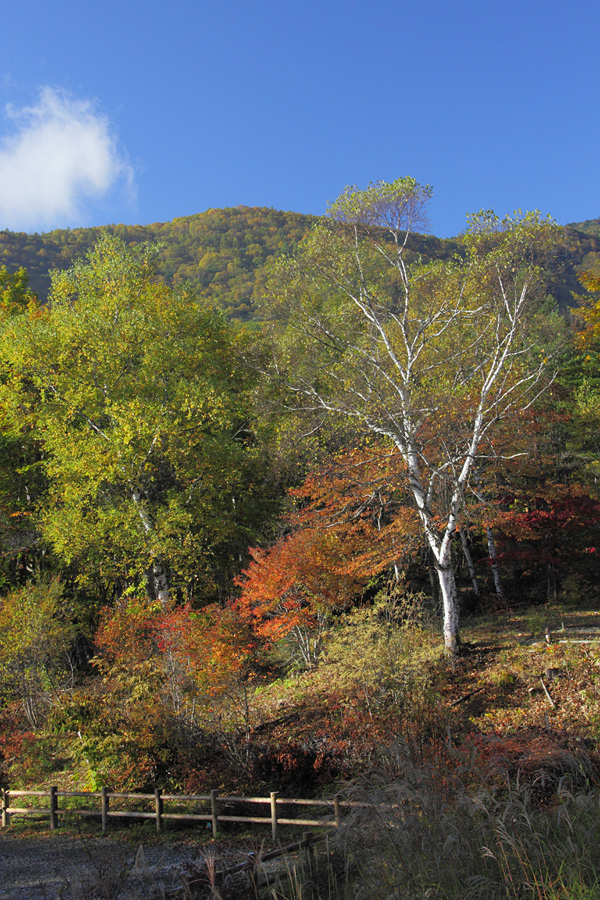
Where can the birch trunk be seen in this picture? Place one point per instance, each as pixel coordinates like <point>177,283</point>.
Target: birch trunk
<point>494,563</point>
<point>160,579</point>
<point>469,560</point>
<point>447,581</point>
<point>441,545</point>
<point>492,554</point>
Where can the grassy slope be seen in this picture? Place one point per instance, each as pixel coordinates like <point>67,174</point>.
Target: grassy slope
<point>492,697</point>
<point>379,691</point>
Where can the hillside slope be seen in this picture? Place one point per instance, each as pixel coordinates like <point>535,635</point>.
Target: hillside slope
<point>221,253</point>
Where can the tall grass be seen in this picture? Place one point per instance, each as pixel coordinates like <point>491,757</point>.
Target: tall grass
<point>417,839</point>
<point>425,837</point>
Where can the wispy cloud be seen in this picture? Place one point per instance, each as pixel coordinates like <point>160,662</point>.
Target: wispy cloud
<point>60,155</point>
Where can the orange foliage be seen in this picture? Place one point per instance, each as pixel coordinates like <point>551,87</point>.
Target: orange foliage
<point>294,583</point>
<point>351,522</point>
<point>362,497</point>
<point>210,647</point>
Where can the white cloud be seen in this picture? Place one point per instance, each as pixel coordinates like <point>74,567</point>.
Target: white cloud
<point>60,155</point>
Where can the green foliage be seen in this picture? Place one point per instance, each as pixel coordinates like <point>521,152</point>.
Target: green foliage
<point>15,293</point>
<point>141,403</point>
<point>36,633</point>
<point>22,482</point>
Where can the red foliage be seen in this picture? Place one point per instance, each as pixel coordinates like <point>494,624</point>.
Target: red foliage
<point>212,645</point>
<point>550,528</point>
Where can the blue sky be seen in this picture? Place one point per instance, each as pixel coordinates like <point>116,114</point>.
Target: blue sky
<point>140,112</point>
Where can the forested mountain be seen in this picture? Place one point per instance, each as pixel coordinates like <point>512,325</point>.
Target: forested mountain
<point>590,226</point>
<point>217,251</point>
<point>220,251</point>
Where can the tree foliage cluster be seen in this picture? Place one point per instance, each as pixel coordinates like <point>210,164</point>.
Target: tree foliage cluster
<point>189,509</point>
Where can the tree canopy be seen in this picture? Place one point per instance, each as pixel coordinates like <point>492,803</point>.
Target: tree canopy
<point>137,396</point>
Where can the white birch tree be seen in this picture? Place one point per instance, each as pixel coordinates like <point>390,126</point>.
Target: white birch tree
<point>426,355</point>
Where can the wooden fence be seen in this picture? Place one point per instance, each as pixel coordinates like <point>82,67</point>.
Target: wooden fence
<point>218,809</point>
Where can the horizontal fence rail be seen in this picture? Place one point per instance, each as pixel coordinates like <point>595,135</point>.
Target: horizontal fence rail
<point>218,809</point>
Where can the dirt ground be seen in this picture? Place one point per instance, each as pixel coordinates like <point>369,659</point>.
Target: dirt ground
<point>82,868</point>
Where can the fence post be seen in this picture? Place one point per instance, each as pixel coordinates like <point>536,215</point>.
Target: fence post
<point>214,812</point>
<point>307,842</point>
<point>274,795</point>
<point>53,808</point>
<point>337,811</point>
<point>104,808</point>
<point>5,805</point>
<point>158,804</point>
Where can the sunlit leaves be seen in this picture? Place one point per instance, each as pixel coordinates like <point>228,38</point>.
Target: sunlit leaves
<point>35,637</point>
<point>398,205</point>
<point>139,397</point>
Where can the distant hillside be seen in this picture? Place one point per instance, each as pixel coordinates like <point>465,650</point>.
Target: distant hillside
<point>221,252</point>
<point>218,251</point>
<point>590,226</point>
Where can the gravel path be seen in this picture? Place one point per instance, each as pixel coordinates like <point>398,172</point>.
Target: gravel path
<point>71,868</point>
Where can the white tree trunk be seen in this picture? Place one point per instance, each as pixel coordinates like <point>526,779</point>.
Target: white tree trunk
<point>494,562</point>
<point>441,547</point>
<point>159,573</point>
<point>161,583</point>
<point>445,574</point>
<point>469,559</point>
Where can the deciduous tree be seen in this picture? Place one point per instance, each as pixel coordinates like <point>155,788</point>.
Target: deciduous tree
<point>350,523</point>
<point>142,408</point>
<point>428,356</point>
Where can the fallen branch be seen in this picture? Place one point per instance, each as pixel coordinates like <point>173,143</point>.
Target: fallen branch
<point>547,693</point>
<point>274,723</point>
<point>259,858</point>
<point>466,697</point>
<point>579,641</point>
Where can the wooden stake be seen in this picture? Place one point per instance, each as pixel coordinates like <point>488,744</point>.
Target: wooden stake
<point>5,806</point>
<point>274,795</point>
<point>53,809</point>
<point>337,811</point>
<point>105,806</point>
<point>307,842</point>
<point>158,805</point>
<point>214,811</point>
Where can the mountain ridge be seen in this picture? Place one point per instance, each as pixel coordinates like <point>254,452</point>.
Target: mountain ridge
<point>221,253</point>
